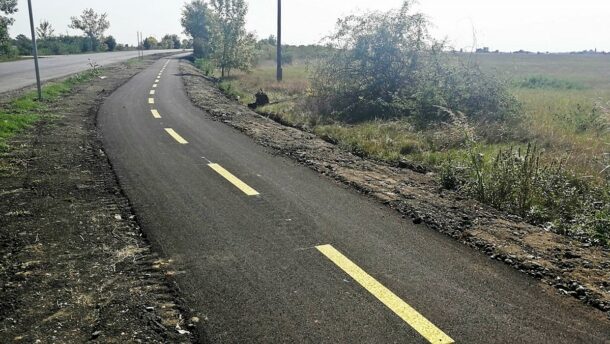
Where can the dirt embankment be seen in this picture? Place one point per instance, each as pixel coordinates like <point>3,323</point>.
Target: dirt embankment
<point>74,265</point>
<point>572,267</point>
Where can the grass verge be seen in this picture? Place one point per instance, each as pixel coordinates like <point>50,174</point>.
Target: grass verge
<point>22,112</point>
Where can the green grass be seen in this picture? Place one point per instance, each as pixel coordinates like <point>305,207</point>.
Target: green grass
<point>20,113</point>
<point>11,124</point>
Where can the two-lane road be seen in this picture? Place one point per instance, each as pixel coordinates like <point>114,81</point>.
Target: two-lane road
<point>17,74</point>
<point>269,251</point>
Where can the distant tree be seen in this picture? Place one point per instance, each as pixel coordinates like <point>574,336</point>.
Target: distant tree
<point>92,24</point>
<point>176,42</point>
<point>24,45</point>
<point>271,40</point>
<point>110,43</point>
<point>232,46</point>
<point>6,7</point>
<point>187,44</point>
<point>197,21</point>
<point>150,43</point>
<point>45,30</point>
<point>170,42</point>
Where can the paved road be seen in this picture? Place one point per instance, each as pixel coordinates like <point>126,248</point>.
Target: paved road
<point>18,74</point>
<point>246,228</point>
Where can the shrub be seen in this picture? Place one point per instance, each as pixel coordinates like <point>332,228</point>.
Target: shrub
<point>385,65</point>
<point>205,65</point>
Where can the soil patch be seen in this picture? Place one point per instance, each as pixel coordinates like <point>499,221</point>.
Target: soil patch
<point>74,265</point>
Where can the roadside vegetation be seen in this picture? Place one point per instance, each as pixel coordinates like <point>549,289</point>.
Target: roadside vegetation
<point>527,134</point>
<point>22,112</point>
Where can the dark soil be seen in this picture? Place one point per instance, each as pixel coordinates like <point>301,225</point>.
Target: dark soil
<point>570,266</point>
<point>74,266</point>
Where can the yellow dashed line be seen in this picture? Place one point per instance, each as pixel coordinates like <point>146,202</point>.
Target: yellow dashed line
<point>157,80</point>
<point>175,135</point>
<point>152,92</point>
<point>154,85</point>
<point>387,297</point>
<point>151,100</point>
<point>234,180</point>
<point>155,113</point>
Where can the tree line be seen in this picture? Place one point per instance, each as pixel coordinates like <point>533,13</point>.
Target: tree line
<point>93,26</point>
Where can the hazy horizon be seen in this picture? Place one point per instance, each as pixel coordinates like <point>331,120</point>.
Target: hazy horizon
<point>545,25</point>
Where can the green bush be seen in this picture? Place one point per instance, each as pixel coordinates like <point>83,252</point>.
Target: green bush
<point>205,65</point>
<point>385,65</point>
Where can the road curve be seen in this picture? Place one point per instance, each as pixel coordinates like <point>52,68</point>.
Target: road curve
<point>17,74</point>
<point>269,251</point>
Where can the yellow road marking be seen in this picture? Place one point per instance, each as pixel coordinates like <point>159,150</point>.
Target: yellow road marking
<point>155,113</point>
<point>234,180</point>
<point>154,85</point>
<point>175,135</point>
<point>151,100</point>
<point>432,333</point>
<point>152,92</point>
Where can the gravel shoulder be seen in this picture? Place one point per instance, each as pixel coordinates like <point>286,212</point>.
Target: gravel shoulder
<point>74,264</point>
<point>562,265</point>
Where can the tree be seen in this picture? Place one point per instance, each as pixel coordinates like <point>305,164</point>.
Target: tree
<point>187,44</point>
<point>170,42</point>
<point>24,44</point>
<point>7,7</point>
<point>92,24</point>
<point>110,43</point>
<point>150,43</point>
<point>196,21</point>
<point>231,45</point>
<point>45,30</point>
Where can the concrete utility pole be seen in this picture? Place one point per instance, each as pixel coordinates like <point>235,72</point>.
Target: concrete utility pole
<point>35,49</point>
<point>279,40</point>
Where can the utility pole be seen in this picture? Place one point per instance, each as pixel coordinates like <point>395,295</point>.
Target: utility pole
<point>279,40</point>
<point>35,49</point>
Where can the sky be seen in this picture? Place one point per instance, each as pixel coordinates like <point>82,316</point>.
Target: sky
<point>507,25</point>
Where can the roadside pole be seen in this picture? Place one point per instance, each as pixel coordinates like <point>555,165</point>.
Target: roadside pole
<point>35,50</point>
<point>279,41</point>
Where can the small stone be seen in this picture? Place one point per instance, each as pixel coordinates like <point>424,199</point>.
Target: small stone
<point>417,220</point>
<point>95,334</point>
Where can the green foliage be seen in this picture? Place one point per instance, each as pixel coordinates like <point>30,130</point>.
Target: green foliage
<point>385,65</point>
<point>545,82</point>
<point>11,124</point>
<point>232,47</point>
<point>196,21</point>
<point>170,42</point>
<point>150,43</point>
<point>92,24</point>
<point>110,43</point>
<point>205,65</point>
<point>6,7</point>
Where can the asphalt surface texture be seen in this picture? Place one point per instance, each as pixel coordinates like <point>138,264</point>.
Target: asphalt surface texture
<point>269,251</point>
<point>18,74</point>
